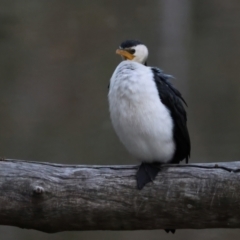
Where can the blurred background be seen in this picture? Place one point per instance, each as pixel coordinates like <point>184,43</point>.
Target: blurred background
<point>56,59</point>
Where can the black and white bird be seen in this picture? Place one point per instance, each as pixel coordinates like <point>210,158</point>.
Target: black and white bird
<point>147,112</point>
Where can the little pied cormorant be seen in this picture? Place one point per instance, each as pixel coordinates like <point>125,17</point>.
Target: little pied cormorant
<point>147,112</point>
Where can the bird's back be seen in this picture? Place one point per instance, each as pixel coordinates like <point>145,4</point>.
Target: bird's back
<point>173,100</point>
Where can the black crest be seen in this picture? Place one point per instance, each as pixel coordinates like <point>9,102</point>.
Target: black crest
<point>129,44</point>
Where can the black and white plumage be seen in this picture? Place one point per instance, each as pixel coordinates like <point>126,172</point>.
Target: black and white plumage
<point>147,112</point>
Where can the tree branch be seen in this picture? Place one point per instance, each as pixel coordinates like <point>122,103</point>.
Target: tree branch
<point>53,197</point>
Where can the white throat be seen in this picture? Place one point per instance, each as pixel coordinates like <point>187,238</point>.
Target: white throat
<point>141,54</point>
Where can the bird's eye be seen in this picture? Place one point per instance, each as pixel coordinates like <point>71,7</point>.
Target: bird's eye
<point>132,51</point>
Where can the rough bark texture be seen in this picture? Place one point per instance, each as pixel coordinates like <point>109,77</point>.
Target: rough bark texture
<point>53,197</point>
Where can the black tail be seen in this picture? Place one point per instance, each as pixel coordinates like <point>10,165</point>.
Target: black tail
<point>146,173</point>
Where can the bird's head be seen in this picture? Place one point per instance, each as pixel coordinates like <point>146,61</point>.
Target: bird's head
<point>133,50</point>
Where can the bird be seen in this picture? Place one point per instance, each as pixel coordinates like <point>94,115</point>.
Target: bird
<point>147,112</point>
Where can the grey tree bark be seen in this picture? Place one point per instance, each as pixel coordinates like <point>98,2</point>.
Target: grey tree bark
<point>53,197</point>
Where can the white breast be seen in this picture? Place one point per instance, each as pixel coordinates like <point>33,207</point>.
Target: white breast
<point>141,121</point>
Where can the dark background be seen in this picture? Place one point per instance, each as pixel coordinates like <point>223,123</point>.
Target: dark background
<point>56,59</point>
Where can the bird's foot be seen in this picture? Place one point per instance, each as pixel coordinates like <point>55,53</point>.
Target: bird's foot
<point>170,230</point>
<point>146,173</point>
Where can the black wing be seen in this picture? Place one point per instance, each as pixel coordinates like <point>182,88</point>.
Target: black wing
<point>173,100</point>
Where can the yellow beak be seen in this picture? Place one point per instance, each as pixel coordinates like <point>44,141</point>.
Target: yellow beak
<point>125,54</point>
